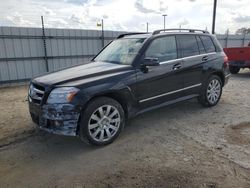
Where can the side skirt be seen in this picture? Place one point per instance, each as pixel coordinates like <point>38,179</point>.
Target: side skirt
<point>167,103</point>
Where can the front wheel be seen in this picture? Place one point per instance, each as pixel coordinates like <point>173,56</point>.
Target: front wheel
<point>211,93</point>
<point>102,121</point>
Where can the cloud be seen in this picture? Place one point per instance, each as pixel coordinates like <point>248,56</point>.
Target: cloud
<point>102,2</point>
<point>163,6</point>
<point>75,19</point>
<point>184,22</point>
<point>48,11</point>
<point>77,2</point>
<point>17,19</point>
<point>130,15</point>
<point>119,26</point>
<point>140,7</point>
<point>242,18</point>
<point>105,16</point>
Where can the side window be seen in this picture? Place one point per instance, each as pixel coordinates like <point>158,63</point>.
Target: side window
<point>208,44</point>
<point>188,45</point>
<point>200,45</point>
<point>164,48</point>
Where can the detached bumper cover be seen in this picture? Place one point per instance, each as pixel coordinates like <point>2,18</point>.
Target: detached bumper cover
<point>59,119</point>
<point>227,78</point>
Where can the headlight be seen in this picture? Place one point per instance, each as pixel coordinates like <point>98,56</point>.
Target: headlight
<point>62,95</point>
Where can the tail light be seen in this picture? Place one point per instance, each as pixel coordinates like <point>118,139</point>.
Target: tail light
<point>226,60</point>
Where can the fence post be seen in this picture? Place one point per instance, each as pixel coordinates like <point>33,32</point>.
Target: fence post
<point>102,34</point>
<point>227,38</point>
<point>243,40</point>
<point>44,46</point>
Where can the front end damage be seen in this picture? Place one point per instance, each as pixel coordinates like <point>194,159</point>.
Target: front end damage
<point>52,109</point>
<point>59,119</point>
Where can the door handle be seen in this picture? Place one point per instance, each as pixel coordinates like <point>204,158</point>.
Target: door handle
<point>205,58</point>
<point>177,66</point>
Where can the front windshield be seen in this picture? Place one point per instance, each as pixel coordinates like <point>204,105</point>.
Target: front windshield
<point>121,51</point>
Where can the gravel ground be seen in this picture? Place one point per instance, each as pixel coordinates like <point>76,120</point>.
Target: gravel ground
<point>183,145</point>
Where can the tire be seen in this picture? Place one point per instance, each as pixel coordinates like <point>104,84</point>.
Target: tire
<point>102,121</point>
<point>211,92</point>
<point>234,70</point>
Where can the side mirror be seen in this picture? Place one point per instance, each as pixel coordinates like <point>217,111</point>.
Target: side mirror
<point>151,61</point>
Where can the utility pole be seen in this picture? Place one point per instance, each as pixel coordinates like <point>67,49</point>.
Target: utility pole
<point>214,16</point>
<point>164,20</point>
<point>147,27</point>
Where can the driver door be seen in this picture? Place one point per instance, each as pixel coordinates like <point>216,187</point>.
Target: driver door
<point>164,82</point>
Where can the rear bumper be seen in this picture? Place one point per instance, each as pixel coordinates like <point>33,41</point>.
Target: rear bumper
<point>241,64</point>
<point>61,119</point>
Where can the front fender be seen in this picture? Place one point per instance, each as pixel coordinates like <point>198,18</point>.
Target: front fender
<point>121,93</point>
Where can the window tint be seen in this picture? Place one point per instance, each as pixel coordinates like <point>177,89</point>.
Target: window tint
<point>163,48</point>
<point>200,45</point>
<point>188,45</point>
<point>208,44</point>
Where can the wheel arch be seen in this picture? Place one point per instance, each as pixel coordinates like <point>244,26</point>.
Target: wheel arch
<point>220,75</point>
<point>113,95</point>
<point>121,97</point>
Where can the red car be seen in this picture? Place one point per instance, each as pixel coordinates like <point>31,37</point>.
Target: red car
<point>238,58</point>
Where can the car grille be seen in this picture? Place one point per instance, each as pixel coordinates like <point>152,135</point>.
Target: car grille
<point>36,93</point>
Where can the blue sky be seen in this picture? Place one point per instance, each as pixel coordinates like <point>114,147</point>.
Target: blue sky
<point>130,15</point>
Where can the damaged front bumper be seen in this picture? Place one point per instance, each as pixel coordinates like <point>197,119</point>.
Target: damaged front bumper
<point>59,119</point>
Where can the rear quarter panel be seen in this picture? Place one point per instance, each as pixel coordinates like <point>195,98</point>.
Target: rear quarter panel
<point>215,65</point>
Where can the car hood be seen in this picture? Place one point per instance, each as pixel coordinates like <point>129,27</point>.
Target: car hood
<point>80,72</point>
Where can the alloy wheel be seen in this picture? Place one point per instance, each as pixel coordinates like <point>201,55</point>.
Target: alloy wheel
<point>104,123</point>
<point>213,91</point>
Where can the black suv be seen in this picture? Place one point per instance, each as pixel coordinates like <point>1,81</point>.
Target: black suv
<point>135,73</point>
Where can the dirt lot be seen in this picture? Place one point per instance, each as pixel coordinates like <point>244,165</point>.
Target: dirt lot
<point>183,145</point>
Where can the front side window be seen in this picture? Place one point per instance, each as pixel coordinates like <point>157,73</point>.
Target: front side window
<point>163,48</point>
<point>188,45</point>
<point>121,51</point>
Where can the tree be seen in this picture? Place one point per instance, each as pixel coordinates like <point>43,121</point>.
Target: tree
<point>242,31</point>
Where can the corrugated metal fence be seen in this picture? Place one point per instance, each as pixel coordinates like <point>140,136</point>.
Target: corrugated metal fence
<point>22,50</point>
<point>233,40</point>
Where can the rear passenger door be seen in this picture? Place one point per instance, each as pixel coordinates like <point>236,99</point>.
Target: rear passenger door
<point>194,56</point>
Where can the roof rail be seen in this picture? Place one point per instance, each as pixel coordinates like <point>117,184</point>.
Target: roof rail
<point>126,34</point>
<point>189,30</point>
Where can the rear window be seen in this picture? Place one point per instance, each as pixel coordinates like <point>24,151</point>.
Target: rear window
<point>200,45</point>
<point>208,44</point>
<point>188,45</point>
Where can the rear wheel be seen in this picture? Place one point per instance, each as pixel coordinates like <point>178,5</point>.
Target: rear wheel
<point>234,70</point>
<point>212,91</point>
<point>102,121</point>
